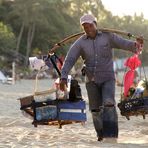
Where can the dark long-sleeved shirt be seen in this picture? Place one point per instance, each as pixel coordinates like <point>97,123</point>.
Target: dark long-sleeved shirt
<point>97,55</point>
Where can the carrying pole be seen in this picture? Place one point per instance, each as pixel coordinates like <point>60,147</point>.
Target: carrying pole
<point>77,35</point>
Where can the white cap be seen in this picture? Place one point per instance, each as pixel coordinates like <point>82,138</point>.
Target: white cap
<point>87,18</point>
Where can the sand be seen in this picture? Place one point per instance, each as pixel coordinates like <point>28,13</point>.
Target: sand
<point>16,130</point>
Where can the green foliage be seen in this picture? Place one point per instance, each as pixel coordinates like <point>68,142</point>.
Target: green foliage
<point>7,43</point>
<point>56,19</point>
<point>7,38</point>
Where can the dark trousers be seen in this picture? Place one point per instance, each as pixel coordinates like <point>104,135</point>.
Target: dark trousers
<point>102,105</point>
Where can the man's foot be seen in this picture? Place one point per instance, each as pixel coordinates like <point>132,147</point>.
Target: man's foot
<point>100,138</point>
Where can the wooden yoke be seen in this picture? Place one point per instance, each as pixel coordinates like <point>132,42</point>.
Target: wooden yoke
<point>77,35</point>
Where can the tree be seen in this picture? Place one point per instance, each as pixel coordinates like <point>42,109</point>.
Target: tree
<point>39,24</point>
<point>7,42</point>
<point>7,37</point>
<point>27,13</point>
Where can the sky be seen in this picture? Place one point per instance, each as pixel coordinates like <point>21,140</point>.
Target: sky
<point>127,7</point>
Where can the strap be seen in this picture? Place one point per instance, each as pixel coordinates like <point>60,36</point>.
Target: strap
<point>54,63</point>
<point>58,59</point>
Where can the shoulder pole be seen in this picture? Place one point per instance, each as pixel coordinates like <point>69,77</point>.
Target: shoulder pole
<point>77,35</point>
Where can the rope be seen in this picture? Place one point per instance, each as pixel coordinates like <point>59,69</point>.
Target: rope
<point>140,73</point>
<point>36,78</point>
<point>144,74</point>
<point>54,63</point>
<point>36,82</point>
<point>125,69</point>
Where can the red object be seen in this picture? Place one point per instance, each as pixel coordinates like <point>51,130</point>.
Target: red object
<point>59,65</point>
<point>132,62</point>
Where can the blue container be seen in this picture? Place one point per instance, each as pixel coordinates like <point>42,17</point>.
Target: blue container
<point>72,111</point>
<point>46,113</point>
<point>60,110</point>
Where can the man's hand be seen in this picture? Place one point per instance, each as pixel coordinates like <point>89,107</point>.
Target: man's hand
<point>139,44</point>
<point>140,39</point>
<point>63,84</point>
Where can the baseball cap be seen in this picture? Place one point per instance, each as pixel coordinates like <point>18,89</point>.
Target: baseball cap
<point>87,18</point>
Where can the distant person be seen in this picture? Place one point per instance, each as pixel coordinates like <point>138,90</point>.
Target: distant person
<point>95,47</point>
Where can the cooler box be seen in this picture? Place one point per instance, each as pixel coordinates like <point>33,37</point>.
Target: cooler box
<point>48,112</point>
<point>59,110</point>
<point>72,110</point>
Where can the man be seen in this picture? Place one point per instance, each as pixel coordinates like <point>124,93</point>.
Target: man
<point>95,48</point>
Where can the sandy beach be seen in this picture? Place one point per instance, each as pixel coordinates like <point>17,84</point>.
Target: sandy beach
<point>16,130</point>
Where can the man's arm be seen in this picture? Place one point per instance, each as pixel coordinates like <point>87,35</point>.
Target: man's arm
<point>72,56</point>
<point>121,43</point>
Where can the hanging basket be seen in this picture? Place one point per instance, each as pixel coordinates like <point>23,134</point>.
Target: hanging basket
<point>45,110</point>
<point>134,100</point>
<point>134,107</point>
<point>136,103</point>
<point>53,112</point>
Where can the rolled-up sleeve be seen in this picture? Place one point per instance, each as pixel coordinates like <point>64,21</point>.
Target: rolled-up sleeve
<point>121,43</point>
<point>72,56</point>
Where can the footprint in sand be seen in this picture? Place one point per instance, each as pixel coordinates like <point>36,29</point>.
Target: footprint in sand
<point>142,124</point>
<point>144,132</point>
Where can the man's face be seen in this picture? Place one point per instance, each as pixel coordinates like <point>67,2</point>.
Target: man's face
<point>90,29</point>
